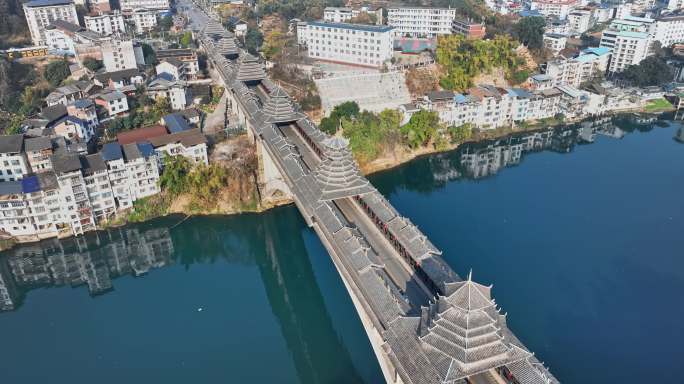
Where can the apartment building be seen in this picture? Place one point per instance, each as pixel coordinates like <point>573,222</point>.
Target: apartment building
<point>106,23</point>
<point>468,28</point>
<point>346,14</point>
<point>143,19</point>
<point>421,22</point>
<point>41,13</point>
<point>675,5</point>
<point>113,101</point>
<point>555,42</point>
<point>173,68</point>
<point>574,71</point>
<point>669,29</point>
<point>557,8</point>
<point>191,144</point>
<point>173,90</point>
<point>118,55</point>
<point>580,20</point>
<point>627,48</point>
<point>490,107</point>
<point>186,56</point>
<point>355,44</point>
<point>158,5</point>
<point>13,164</point>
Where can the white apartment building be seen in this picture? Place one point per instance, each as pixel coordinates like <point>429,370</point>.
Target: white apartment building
<point>674,5</point>
<point>574,71</point>
<point>670,29</point>
<point>13,164</point>
<point>490,107</point>
<point>337,14</point>
<point>580,20</point>
<point>555,42</point>
<point>115,102</point>
<point>345,14</point>
<point>76,209</point>
<point>187,56</point>
<point>41,13</point>
<point>355,44</point>
<point>172,90</point>
<point>558,8</point>
<point>627,48</point>
<point>191,144</point>
<point>106,24</point>
<point>118,55</point>
<point>421,22</point>
<point>160,5</point>
<point>143,19</point>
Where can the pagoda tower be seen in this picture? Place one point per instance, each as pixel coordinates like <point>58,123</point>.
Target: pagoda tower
<point>250,70</point>
<point>279,108</point>
<point>226,46</point>
<point>337,175</point>
<point>464,331</point>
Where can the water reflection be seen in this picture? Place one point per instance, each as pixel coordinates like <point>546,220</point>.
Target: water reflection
<point>265,241</point>
<point>486,158</point>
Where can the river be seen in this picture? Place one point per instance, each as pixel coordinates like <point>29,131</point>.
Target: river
<point>581,232</point>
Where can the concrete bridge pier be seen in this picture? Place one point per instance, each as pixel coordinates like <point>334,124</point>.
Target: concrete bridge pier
<point>274,189</point>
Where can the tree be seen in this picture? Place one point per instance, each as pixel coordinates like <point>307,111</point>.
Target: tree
<point>165,23</point>
<point>273,45</point>
<point>148,54</point>
<point>421,128</point>
<point>92,64</point>
<point>253,40</point>
<point>161,108</point>
<point>174,178</point>
<point>345,110</point>
<point>56,72</point>
<point>461,133</point>
<point>530,31</point>
<point>186,39</point>
<point>653,70</point>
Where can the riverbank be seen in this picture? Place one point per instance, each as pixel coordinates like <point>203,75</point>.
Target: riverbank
<point>225,202</point>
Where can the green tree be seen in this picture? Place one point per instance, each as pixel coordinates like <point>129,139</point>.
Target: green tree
<point>92,64</point>
<point>345,110</point>
<point>461,133</point>
<point>165,23</point>
<point>652,70</point>
<point>174,178</point>
<point>186,39</point>
<point>56,72</point>
<point>161,108</point>
<point>530,31</point>
<point>253,40</point>
<point>149,54</point>
<point>421,128</point>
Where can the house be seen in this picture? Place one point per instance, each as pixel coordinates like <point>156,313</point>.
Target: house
<point>85,110</point>
<point>69,93</point>
<point>191,144</point>
<point>172,90</point>
<point>187,56</point>
<point>192,115</point>
<point>74,129</point>
<point>173,67</point>
<point>119,79</point>
<point>13,164</point>
<point>38,151</point>
<point>114,102</point>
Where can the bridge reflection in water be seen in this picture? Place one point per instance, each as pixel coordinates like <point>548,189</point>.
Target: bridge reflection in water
<point>93,262</point>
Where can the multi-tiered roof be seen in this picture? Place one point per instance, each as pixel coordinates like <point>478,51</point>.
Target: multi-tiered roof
<point>337,175</point>
<point>226,46</point>
<point>279,108</point>
<point>250,69</point>
<point>465,329</point>
<point>215,30</point>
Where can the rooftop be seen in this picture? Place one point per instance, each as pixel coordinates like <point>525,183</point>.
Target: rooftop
<point>175,122</point>
<point>11,143</point>
<point>47,3</point>
<point>141,134</point>
<point>355,27</point>
<point>187,138</point>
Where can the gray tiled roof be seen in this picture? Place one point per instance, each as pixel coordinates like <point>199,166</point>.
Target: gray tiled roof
<point>11,143</point>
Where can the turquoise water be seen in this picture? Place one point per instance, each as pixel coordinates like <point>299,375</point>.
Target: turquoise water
<point>583,242</point>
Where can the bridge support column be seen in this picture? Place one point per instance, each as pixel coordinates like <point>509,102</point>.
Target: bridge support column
<point>274,189</point>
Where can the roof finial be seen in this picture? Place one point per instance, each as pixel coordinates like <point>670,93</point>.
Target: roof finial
<point>470,275</point>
